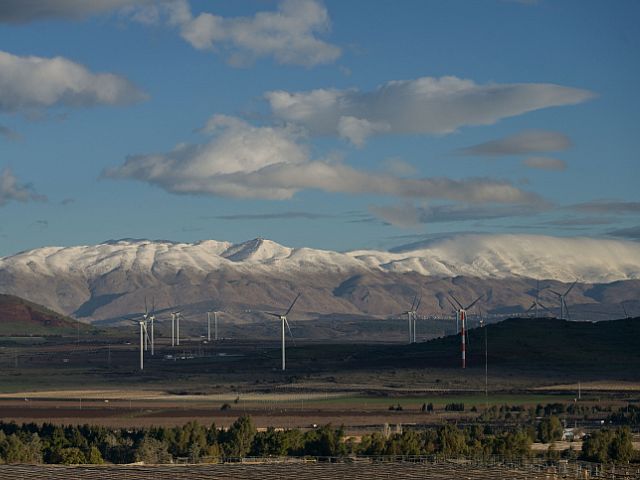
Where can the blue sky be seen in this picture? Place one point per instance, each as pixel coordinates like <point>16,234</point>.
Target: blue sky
<point>337,125</point>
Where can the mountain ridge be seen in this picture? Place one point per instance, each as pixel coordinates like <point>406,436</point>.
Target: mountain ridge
<point>111,279</point>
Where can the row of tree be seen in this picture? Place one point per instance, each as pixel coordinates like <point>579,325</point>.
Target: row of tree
<point>48,443</point>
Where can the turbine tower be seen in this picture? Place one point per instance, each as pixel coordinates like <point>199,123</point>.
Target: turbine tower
<point>285,323</point>
<point>151,318</point>
<point>564,310</point>
<point>143,336</point>
<point>215,325</point>
<point>178,317</point>
<point>175,318</point>
<point>411,317</point>
<point>461,318</point>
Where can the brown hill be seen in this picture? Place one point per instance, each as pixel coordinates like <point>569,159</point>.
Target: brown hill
<point>21,317</point>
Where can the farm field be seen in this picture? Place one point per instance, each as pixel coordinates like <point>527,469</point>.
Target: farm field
<point>360,386</point>
<point>360,469</point>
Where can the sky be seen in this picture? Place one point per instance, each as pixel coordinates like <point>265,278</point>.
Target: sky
<point>325,124</point>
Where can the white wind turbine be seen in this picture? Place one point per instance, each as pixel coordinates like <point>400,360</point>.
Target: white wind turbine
<point>150,318</point>
<point>412,314</point>
<point>564,310</point>
<point>285,323</point>
<point>143,338</point>
<point>215,325</point>
<point>175,327</point>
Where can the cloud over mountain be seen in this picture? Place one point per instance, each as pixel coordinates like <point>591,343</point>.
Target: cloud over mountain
<point>424,105</point>
<point>545,163</point>
<point>530,141</point>
<point>246,161</point>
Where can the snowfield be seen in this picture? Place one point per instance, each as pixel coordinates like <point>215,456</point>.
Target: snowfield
<point>485,256</point>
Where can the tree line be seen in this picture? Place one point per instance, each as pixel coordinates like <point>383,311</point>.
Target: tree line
<point>56,444</point>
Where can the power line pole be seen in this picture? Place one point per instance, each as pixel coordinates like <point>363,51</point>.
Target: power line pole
<point>486,368</point>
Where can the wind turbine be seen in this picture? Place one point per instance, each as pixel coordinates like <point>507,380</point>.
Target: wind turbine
<point>150,319</point>
<point>143,336</point>
<point>564,310</point>
<point>175,327</point>
<point>536,303</point>
<point>215,325</point>
<point>411,317</point>
<point>145,317</point>
<point>285,323</point>
<point>461,319</point>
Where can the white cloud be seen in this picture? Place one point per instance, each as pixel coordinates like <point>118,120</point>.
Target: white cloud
<point>399,167</point>
<point>23,11</point>
<point>246,161</point>
<point>288,34</point>
<point>356,130</point>
<point>12,190</point>
<point>530,141</point>
<point>545,163</point>
<point>35,82</point>
<point>425,105</point>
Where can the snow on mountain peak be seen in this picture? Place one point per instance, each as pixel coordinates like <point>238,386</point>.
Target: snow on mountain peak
<point>495,256</point>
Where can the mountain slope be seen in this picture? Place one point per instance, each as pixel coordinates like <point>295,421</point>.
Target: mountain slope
<point>109,280</point>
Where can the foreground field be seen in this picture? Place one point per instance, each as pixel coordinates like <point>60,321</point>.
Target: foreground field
<point>93,379</point>
<point>358,412</point>
<point>427,469</point>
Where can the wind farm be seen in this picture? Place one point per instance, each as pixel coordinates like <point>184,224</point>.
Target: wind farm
<point>319,239</point>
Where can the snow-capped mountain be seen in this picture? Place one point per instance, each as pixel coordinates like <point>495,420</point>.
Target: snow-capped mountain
<point>106,280</point>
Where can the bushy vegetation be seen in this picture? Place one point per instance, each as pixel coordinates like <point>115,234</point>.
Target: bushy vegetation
<point>48,443</point>
<point>448,440</point>
<point>31,443</point>
<point>608,445</point>
<point>629,415</point>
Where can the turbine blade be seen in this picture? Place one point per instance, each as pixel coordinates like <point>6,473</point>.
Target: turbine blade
<point>531,307</point>
<point>555,293</point>
<point>570,288</point>
<point>474,302</point>
<point>291,307</point>
<point>541,305</point>
<point>145,305</point>
<point>413,303</point>
<point>418,305</point>
<point>455,309</point>
<point>286,322</point>
<point>273,314</point>
<point>153,305</point>
<point>456,300</point>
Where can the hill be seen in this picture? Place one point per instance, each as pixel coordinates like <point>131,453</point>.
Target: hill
<point>19,317</point>
<point>542,344</point>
